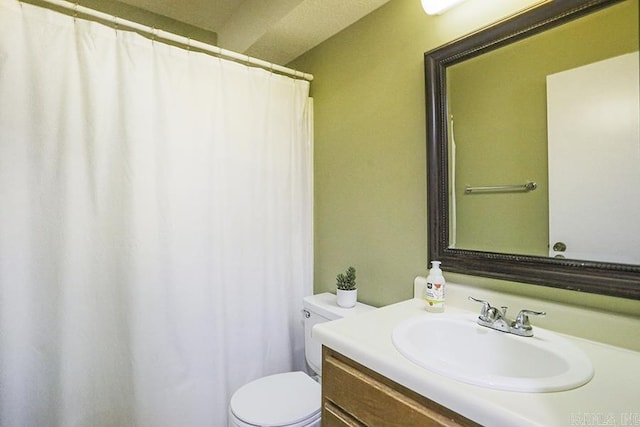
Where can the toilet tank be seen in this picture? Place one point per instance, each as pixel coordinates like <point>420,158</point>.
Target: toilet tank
<point>318,309</point>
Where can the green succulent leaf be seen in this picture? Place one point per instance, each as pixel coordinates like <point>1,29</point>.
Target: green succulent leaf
<point>347,281</point>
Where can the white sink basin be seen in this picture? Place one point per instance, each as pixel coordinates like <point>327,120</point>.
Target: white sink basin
<point>457,347</point>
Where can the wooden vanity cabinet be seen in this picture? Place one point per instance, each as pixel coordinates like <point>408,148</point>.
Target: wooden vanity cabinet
<point>353,395</point>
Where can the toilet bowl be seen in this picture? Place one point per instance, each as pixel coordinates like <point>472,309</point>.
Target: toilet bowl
<point>290,399</point>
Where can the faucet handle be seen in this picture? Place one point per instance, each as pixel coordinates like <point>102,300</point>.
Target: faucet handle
<point>484,311</point>
<point>521,325</point>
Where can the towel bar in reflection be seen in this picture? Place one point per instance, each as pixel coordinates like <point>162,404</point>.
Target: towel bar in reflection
<point>529,186</point>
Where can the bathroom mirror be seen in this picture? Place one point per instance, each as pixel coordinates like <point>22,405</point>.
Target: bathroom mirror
<point>450,127</point>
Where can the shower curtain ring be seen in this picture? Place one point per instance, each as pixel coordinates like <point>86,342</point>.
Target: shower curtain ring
<point>220,55</point>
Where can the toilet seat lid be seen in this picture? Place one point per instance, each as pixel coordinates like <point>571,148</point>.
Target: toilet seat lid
<point>277,400</point>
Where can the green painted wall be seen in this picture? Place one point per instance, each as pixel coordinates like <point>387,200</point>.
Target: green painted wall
<point>499,108</point>
<point>370,157</point>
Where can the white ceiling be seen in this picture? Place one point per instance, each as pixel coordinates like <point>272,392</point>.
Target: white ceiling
<point>277,31</point>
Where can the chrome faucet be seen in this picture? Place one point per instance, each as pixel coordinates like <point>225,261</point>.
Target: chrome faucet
<point>493,318</point>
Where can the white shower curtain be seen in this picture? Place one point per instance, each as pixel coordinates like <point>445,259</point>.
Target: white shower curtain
<point>155,226</point>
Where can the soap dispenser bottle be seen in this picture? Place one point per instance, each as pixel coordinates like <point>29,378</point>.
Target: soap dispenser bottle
<point>434,289</point>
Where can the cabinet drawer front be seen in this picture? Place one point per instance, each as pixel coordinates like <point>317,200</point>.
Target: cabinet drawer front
<point>332,416</point>
<point>377,401</point>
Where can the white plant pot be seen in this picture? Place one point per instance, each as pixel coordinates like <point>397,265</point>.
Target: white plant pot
<point>347,299</point>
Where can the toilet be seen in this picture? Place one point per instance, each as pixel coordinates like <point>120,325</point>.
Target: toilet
<point>291,399</point>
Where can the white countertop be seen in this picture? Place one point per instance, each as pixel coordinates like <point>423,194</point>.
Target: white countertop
<point>612,397</point>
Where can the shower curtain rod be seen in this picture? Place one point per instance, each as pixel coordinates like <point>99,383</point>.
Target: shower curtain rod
<point>184,41</point>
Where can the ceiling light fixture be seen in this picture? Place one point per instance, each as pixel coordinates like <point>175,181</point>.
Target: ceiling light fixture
<point>438,7</point>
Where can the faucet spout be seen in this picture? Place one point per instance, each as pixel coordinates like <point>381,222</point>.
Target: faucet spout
<point>496,319</point>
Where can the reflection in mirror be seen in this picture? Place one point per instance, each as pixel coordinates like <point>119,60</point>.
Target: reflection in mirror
<point>498,114</point>
<point>499,110</point>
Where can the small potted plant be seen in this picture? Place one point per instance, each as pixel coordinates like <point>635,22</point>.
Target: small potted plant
<point>347,293</point>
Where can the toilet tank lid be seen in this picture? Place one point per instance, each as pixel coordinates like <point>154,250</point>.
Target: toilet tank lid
<point>325,305</point>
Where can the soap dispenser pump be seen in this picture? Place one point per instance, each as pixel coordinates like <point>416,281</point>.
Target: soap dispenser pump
<point>434,289</point>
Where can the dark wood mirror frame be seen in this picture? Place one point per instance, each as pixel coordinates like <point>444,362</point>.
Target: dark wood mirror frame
<point>619,280</point>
